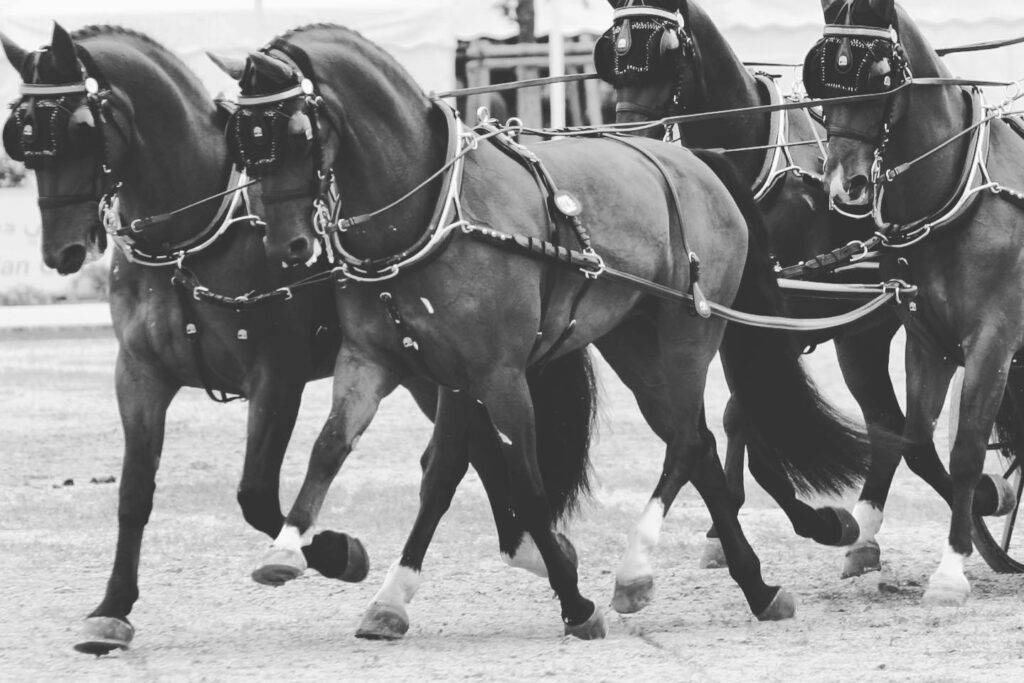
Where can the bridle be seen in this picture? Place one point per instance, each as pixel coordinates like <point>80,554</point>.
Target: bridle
<point>322,189</point>
<point>673,29</point>
<point>842,63</point>
<point>59,97</point>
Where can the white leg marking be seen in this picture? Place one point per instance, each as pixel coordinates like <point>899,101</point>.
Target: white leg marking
<point>950,574</point>
<point>869,519</point>
<point>400,585</point>
<point>636,563</point>
<point>290,538</point>
<point>527,557</point>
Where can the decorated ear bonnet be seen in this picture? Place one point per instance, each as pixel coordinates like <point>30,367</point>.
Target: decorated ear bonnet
<point>259,128</point>
<point>50,120</point>
<point>643,44</point>
<point>855,60</point>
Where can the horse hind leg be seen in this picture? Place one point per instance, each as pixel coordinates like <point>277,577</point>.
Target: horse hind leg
<point>712,556</point>
<point>143,395</point>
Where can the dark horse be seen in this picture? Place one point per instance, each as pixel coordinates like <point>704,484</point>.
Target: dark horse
<point>965,256</point>
<point>162,137</point>
<point>475,317</point>
<point>689,68</point>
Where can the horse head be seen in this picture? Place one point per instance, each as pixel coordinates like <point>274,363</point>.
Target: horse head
<point>644,56</point>
<point>113,125</point>
<point>55,133</point>
<point>865,50</point>
<point>325,116</point>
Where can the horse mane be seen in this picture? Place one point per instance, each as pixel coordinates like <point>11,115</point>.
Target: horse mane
<point>115,30</point>
<point>384,58</point>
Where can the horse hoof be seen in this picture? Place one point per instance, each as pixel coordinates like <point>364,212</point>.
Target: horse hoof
<point>860,559</point>
<point>358,562</point>
<point>568,548</point>
<point>383,622</point>
<point>100,635</point>
<point>844,523</point>
<point>946,591</point>
<point>712,557</point>
<point>280,566</point>
<point>593,628</point>
<point>1006,497</point>
<point>337,556</point>
<point>782,606</point>
<point>634,595</point>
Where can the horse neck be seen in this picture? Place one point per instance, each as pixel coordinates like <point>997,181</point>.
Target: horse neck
<point>392,139</point>
<point>931,117</point>
<point>727,85</point>
<point>177,155</point>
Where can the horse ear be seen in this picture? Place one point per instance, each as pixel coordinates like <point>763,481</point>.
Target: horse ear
<point>273,69</point>
<point>15,53</point>
<point>230,65</point>
<point>62,47</point>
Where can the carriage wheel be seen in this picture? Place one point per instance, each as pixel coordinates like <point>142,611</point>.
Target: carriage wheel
<point>997,539</point>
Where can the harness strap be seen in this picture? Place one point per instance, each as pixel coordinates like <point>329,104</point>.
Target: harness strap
<point>192,334</point>
<point>701,304</point>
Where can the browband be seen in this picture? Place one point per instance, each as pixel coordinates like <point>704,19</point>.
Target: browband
<point>304,88</point>
<point>861,32</point>
<point>89,85</point>
<point>624,12</point>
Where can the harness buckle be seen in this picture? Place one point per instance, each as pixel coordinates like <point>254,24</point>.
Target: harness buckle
<point>599,266</point>
<point>199,290</point>
<point>288,294</point>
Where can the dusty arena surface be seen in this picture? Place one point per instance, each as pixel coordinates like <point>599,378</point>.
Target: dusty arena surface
<point>201,617</point>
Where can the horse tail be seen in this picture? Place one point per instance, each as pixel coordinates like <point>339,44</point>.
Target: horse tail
<point>564,405</point>
<point>788,423</point>
<point>1008,425</point>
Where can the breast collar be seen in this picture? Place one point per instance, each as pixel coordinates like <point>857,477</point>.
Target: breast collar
<point>446,217</point>
<point>234,208</point>
<point>974,179</point>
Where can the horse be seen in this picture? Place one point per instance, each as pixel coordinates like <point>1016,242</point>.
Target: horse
<point>933,167</point>
<point>428,286</point>
<point>676,61</point>
<point>153,126</point>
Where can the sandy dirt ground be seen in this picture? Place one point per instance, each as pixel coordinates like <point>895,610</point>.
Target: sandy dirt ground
<point>201,617</point>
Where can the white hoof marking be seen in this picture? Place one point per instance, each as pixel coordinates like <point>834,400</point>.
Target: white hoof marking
<point>636,563</point>
<point>869,519</point>
<point>400,585</point>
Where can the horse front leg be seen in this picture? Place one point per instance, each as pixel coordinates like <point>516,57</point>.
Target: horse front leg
<point>444,465</point>
<point>986,367</point>
<point>360,383</point>
<point>143,395</point>
<point>273,408</point>
<point>864,361</point>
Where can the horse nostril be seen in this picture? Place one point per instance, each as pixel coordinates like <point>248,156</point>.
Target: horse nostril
<point>298,250</point>
<point>858,186</point>
<point>70,259</point>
